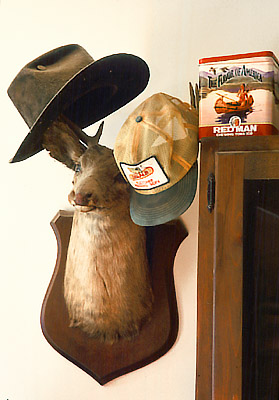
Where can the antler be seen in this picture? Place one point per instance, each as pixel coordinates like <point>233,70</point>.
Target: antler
<point>86,139</point>
<point>194,95</point>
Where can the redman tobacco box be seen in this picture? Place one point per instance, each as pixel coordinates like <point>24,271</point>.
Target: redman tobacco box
<point>239,95</point>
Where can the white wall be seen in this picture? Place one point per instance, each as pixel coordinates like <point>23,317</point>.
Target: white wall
<point>171,36</point>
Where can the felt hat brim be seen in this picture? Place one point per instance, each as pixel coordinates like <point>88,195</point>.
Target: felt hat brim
<point>96,91</point>
<point>159,208</point>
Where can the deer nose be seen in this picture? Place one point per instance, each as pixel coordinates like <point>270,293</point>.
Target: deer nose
<point>82,199</point>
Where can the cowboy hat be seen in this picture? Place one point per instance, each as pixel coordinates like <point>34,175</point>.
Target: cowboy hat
<point>67,80</point>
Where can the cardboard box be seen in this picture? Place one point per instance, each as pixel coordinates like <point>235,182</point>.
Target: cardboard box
<point>239,95</point>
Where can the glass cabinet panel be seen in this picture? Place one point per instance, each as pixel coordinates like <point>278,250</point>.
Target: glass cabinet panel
<point>261,290</point>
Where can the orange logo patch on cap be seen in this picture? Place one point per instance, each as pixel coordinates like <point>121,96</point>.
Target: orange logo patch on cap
<point>138,173</point>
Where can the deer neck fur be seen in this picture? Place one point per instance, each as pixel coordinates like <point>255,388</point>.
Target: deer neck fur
<point>107,286</point>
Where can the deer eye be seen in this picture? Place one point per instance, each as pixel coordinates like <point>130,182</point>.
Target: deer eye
<point>77,168</point>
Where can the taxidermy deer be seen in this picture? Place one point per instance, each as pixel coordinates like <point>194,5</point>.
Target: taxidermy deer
<point>107,286</point>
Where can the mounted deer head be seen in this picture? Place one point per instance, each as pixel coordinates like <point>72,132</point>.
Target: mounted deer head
<point>97,182</point>
<point>107,287</point>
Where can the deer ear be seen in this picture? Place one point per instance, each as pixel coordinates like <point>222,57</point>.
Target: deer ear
<point>62,143</point>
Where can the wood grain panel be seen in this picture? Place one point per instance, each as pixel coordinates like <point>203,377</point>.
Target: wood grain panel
<point>205,278</point>
<point>221,366</point>
<point>227,348</point>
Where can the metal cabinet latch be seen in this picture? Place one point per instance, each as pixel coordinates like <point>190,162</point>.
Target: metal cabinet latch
<point>210,192</point>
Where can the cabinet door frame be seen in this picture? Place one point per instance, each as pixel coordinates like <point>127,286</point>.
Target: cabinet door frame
<point>219,327</point>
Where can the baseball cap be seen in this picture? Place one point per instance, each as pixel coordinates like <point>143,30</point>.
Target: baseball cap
<point>156,151</point>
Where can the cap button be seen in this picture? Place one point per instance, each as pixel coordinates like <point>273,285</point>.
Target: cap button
<point>41,67</point>
<point>139,118</point>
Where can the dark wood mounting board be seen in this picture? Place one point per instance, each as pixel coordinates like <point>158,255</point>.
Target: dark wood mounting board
<point>102,361</point>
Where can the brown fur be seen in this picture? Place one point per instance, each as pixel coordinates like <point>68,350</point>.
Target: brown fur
<point>107,285</point>
<point>62,143</point>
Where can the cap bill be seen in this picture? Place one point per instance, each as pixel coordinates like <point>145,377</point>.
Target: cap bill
<point>159,208</point>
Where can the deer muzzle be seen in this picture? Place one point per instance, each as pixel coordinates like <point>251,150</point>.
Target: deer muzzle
<point>82,199</point>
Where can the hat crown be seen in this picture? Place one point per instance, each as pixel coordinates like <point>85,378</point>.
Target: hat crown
<point>41,79</point>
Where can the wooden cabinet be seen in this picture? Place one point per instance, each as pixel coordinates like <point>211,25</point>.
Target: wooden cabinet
<point>238,270</point>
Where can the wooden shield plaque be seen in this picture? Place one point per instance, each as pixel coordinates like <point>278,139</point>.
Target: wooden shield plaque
<point>103,361</point>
